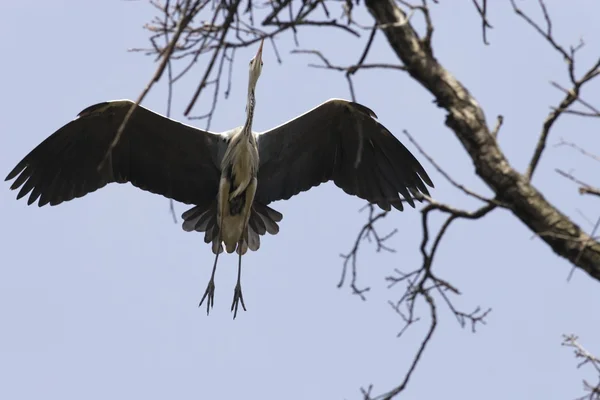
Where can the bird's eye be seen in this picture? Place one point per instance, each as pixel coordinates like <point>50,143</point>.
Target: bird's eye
<point>261,63</point>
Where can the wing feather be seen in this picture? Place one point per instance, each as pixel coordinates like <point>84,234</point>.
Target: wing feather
<point>340,141</point>
<point>154,153</point>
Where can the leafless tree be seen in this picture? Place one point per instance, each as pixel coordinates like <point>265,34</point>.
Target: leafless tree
<point>186,31</point>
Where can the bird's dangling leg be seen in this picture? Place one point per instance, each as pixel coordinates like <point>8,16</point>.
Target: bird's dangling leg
<point>237,293</point>
<point>209,294</point>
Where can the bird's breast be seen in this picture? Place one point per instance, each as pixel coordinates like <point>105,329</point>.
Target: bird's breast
<point>240,165</point>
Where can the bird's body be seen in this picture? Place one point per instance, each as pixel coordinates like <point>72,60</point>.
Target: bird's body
<point>237,187</point>
<point>230,177</point>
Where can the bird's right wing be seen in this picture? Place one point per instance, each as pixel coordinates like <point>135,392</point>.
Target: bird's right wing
<point>340,141</point>
<point>154,153</point>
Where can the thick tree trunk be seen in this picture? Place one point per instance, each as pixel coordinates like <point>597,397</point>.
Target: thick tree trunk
<point>466,118</point>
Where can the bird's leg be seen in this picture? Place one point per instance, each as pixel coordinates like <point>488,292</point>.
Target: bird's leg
<point>237,294</point>
<point>210,288</point>
<point>209,294</point>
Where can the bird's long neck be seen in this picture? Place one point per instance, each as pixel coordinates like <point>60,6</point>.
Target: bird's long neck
<point>247,129</point>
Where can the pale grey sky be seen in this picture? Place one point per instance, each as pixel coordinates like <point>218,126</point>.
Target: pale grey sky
<point>98,297</point>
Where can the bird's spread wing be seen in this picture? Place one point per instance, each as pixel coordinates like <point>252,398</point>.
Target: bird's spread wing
<point>154,153</point>
<point>339,141</point>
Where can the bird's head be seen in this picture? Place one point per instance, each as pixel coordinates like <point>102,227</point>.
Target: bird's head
<point>255,67</point>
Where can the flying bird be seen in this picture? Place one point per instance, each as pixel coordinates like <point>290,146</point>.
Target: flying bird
<point>230,177</point>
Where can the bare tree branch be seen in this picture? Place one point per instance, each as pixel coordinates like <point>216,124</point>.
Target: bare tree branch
<point>433,315</point>
<point>485,25</point>
<point>578,148</point>
<point>349,70</point>
<point>231,11</point>
<point>594,112</point>
<point>230,27</point>
<point>368,231</point>
<point>454,183</point>
<point>584,188</point>
<point>466,118</point>
<point>188,10</point>
<point>421,282</point>
<point>586,358</point>
<point>572,95</point>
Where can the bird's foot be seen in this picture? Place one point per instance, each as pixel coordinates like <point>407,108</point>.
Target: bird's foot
<point>209,295</point>
<point>237,298</point>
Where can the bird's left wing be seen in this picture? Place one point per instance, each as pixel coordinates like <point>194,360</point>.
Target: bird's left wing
<point>340,141</point>
<point>154,153</point>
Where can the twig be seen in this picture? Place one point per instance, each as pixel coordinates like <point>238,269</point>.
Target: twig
<point>578,148</point>
<point>231,11</point>
<point>584,188</point>
<point>482,11</point>
<point>454,183</point>
<point>433,315</point>
<point>183,21</point>
<point>587,358</point>
<point>350,258</point>
<point>571,95</point>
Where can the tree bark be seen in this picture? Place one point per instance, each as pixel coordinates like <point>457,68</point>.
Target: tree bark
<point>467,120</point>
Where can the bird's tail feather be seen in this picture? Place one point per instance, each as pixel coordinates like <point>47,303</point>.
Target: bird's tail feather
<point>263,219</point>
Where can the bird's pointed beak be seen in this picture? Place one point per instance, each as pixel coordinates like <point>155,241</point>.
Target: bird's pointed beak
<point>260,48</point>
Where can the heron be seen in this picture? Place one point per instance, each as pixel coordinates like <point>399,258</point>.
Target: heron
<point>230,177</point>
